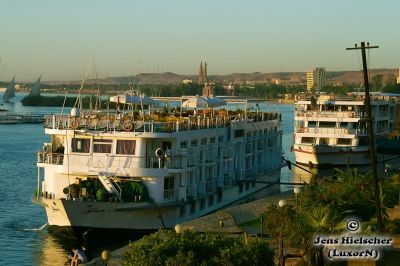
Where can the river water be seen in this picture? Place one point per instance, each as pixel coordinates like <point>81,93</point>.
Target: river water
<point>22,242</point>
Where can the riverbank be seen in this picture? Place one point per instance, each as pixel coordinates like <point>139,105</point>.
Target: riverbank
<point>239,221</point>
<point>232,218</point>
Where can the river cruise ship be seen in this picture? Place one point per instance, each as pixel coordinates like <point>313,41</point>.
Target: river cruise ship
<point>332,130</point>
<point>156,168</point>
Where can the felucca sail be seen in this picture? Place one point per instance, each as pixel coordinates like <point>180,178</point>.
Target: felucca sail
<point>35,91</point>
<point>10,91</point>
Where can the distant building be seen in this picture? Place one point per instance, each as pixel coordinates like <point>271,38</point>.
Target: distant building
<point>203,73</point>
<point>398,78</point>
<point>316,79</point>
<point>187,81</point>
<point>208,89</point>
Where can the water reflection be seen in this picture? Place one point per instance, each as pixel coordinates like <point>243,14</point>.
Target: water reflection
<point>54,251</point>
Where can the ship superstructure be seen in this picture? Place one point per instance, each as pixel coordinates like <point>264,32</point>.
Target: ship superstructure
<point>332,130</point>
<point>152,170</point>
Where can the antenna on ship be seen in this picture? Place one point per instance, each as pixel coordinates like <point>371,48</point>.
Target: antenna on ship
<point>371,140</point>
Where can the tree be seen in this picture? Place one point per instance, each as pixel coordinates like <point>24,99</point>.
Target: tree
<point>377,82</point>
<point>192,248</point>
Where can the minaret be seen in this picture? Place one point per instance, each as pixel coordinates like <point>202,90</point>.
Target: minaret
<point>205,72</point>
<point>201,74</point>
<point>398,78</point>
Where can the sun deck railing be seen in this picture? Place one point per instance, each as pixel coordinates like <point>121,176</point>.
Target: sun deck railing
<point>119,123</point>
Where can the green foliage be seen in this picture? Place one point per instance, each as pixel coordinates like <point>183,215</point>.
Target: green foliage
<point>59,101</point>
<point>283,220</point>
<point>347,193</point>
<point>191,248</point>
<point>101,194</point>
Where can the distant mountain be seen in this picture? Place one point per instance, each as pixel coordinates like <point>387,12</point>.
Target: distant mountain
<point>333,77</point>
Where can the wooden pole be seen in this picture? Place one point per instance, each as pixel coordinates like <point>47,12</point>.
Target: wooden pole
<point>371,140</point>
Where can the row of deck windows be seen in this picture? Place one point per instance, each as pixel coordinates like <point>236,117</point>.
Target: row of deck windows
<point>81,145</point>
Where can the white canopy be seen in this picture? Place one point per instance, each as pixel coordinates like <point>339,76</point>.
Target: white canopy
<point>133,99</point>
<point>214,101</point>
<point>195,102</point>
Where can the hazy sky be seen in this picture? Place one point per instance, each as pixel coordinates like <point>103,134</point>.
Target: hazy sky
<point>57,39</point>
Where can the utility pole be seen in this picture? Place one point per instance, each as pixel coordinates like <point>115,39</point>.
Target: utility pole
<point>371,140</point>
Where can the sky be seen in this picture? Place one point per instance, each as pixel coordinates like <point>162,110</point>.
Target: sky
<point>61,40</point>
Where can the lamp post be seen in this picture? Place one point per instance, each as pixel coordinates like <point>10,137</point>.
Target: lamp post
<point>387,167</point>
<point>296,191</point>
<point>281,204</point>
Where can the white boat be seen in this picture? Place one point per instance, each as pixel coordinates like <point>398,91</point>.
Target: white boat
<point>331,130</point>
<point>20,118</point>
<point>127,171</point>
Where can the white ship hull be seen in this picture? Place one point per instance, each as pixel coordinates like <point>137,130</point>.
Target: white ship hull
<point>114,172</point>
<point>142,215</point>
<point>314,156</point>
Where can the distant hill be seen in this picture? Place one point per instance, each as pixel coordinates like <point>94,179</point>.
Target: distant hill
<point>333,77</point>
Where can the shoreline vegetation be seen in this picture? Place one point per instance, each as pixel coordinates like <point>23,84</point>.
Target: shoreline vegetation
<point>272,92</point>
<point>323,207</point>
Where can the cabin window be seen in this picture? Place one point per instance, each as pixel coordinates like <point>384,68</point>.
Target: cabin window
<point>80,145</point>
<point>183,144</point>
<point>270,142</point>
<point>219,195</point>
<point>192,207</point>
<point>102,145</point>
<point>239,133</point>
<point>193,143</point>
<point>327,124</point>
<point>221,139</point>
<point>342,141</point>
<point>343,125</point>
<point>202,204</point>
<point>312,124</point>
<point>212,140</point>
<point>169,185</point>
<point>126,146</point>
<point>210,200</point>
<point>182,211</point>
<point>203,141</point>
<point>324,141</point>
<point>307,140</point>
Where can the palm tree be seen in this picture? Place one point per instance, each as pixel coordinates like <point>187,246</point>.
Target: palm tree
<point>317,221</point>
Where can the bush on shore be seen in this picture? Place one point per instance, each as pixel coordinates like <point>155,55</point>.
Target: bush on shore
<point>192,248</point>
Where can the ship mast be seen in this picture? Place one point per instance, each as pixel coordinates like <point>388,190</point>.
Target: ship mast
<point>372,152</point>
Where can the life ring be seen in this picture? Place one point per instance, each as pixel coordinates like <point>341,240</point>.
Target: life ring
<point>302,130</point>
<point>127,125</point>
<point>316,130</point>
<point>351,115</point>
<point>346,131</point>
<point>159,152</point>
<point>74,124</point>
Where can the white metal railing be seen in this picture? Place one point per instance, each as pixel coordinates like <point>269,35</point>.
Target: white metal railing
<point>104,121</point>
<point>169,194</point>
<point>50,158</point>
<point>330,114</point>
<point>210,186</point>
<point>334,131</point>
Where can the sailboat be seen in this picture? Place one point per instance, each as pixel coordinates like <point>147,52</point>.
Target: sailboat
<point>10,91</point>
<point>35,91</point>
